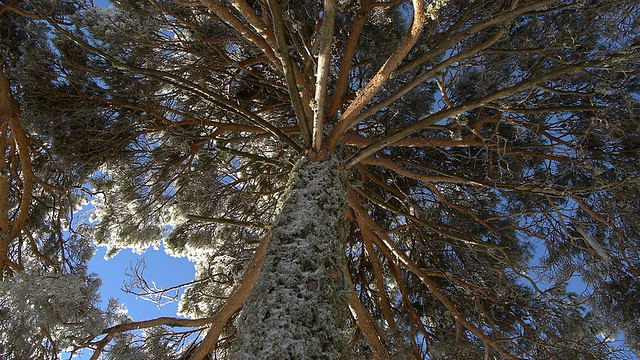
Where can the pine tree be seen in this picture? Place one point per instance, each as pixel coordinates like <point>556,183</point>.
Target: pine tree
<point>358,179</point>
<point>48,300</point>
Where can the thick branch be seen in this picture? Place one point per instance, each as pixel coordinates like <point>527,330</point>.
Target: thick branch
<point>288,69</point>
<point>189,86</point>
<point>145,324</point>
<point>355,139</point>
<point>401,257</point>
<point>14,133</point>
<point>226,221</point>
<point>4,198</point>
<point>498,19</point>
<point>161,321</point>
<point>380,283</point>
<point>324,60</point>
<point>235,23</point>
<point>254,20</point>
<point>218,321</point>
<point>234,302</point>
<point>345,63</point>
<point>381,77</point>
<point>427,75</point>
<point>370,329</point>
<point>429,120</point>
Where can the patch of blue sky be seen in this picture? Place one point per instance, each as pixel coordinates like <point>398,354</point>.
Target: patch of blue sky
<point>161,272</point>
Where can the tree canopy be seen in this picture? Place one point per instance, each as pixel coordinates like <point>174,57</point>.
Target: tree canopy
<point>474,164</point>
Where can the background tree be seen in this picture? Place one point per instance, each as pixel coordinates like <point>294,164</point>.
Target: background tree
<point>470,158</point>
<point>48,301</point>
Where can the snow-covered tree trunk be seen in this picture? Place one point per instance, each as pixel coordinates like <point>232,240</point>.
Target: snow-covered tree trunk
<point>298,309</point>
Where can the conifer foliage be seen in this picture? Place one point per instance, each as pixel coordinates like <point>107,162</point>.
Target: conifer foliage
<point>419,179</point>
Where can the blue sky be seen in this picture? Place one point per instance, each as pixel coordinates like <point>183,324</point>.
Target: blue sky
<point>101,3</point>
<point>163,270</point>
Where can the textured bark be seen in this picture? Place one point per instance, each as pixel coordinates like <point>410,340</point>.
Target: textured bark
<point>299,309</point>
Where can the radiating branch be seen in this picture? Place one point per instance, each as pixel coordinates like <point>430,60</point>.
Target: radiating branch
<point>429,120</point>
<point>381,77</point>
<point>324,60</point>
<point>380,282</point>
<point>254,21</point>
<point>145,324</point>
<point>401,257</point>
<point>226,221</point>
<point>253,157</point>
<point>234,302</point>
<point>288,69</point>
<point>247,33</point>
<point>372,333</point>
<point>453,40</point>
<point>347,58</point>
<point>187,85</point>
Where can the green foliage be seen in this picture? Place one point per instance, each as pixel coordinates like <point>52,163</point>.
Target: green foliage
<point>494,166</point>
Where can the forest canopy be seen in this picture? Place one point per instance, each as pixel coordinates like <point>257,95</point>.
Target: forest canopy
<point>361,179</point>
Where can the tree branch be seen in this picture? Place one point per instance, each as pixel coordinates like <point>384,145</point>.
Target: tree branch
<point>288,69</point>
<point>347,57</point>
<point>255,21</point>
<point>381,77</point>
<point>226,221</point>
<point>145,324</point>
<point>431,119</point>
<point>234,302</point>
<point>187,85</point>
<point>370,329</point>
<point>474,29</point>
<point>324,60</point>
<point>401,257</point>
<point>380,283</point>
<point>236,24</point>
<point>420,79</point>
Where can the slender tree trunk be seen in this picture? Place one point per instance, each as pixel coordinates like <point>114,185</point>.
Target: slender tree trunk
<point>298,309</point>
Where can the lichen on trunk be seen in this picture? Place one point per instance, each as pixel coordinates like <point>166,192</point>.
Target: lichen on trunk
<point>298,309</point>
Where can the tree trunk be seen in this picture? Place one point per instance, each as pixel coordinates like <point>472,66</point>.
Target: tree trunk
<point>298,309</point>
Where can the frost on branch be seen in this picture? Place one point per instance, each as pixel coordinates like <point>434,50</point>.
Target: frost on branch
<point>299,307</point>
<point>43,314</point>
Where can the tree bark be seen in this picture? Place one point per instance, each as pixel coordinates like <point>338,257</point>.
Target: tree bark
<point>299,308</point>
